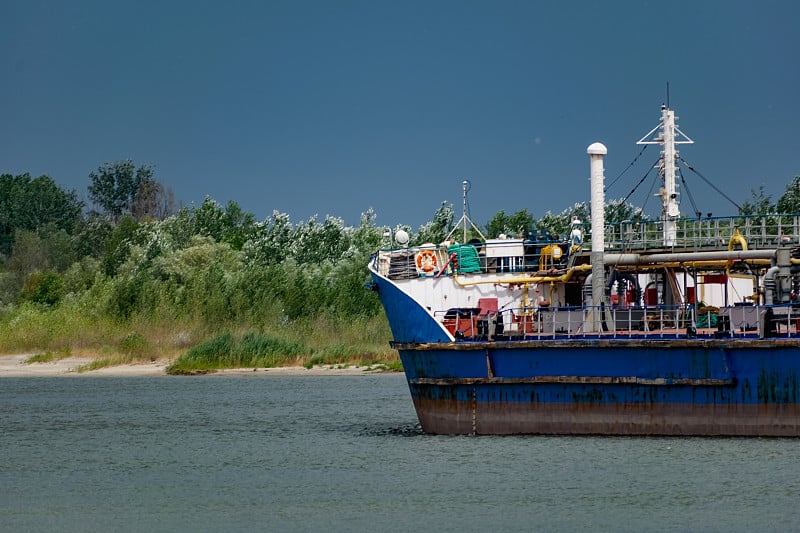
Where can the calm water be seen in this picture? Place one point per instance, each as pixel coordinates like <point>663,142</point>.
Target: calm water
<point>345,454</point>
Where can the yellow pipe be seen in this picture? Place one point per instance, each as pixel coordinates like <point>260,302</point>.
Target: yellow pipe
<point>737,238</point>
<point>563,278</point>
<point>527,308</point>
<point>722,264</point>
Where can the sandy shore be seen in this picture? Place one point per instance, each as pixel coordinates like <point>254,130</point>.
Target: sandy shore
<point>14,366</point>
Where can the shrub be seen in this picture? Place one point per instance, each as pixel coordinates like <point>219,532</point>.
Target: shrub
<point>134,344</point>
<point>44,288</point>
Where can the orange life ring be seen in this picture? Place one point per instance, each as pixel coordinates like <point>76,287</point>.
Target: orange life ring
<point>426,260</point>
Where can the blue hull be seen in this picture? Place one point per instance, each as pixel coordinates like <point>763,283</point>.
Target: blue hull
<point>612,388</point>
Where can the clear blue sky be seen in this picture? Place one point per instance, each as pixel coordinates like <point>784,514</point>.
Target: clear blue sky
<point>332,107</point>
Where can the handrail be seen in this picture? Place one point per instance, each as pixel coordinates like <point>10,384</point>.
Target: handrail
<point>753,231</point>
<point>660,322</point>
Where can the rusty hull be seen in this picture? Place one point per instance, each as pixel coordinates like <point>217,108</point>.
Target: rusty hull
<point>451,417</point>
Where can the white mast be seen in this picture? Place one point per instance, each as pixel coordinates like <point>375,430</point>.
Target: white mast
<point>668,135</point>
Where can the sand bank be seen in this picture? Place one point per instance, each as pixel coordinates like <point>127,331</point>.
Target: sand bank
<point>15,366</point>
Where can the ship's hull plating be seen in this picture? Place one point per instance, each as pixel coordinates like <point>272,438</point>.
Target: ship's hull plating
<point>692,387</point>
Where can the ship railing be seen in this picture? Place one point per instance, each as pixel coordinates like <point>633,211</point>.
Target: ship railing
<point>541,251</point>
<point>758,231</point>
<point>509,255</point>
<point>659,322</point>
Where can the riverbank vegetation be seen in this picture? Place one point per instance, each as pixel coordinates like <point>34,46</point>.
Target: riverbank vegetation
<point>136,279</point>
<point>209,286</point>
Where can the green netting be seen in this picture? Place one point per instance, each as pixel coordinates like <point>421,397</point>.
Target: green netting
<point>706,320</point>
<point>467,257</point>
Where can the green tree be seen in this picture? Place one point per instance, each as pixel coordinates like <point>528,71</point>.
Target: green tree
<point>314,243</point>
<point>349,297</point>
<point>614,212</point>
<point>27,204</point>
<point>178,229</point>
<point>119,242</point>
<point>367,237</point>
<point>437,229</point>
<point>518,224</point>
<point>272,245</point>
<point>560,224</point>
<point>789,202</point>
<point>760,203</point>
<point>231,224</point>
<point>44,288</point>
<point>47,248</point>
<point>114,186</point>
<point>202,253</point>
<point>59,247</point>
<point>619,210</point>
<point>29,255</point>
<point>554,224</point>
<point>81,275</point>
<point>90,234</point>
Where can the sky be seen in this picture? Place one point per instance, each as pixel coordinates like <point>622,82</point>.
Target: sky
<point>333,107</point>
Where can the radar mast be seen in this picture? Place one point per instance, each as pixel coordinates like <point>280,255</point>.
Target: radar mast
<point>668,135</point>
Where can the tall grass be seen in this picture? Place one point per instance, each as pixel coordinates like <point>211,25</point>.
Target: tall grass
<point>306,343</point>
<point>245,351</point>
<point>265,340</point>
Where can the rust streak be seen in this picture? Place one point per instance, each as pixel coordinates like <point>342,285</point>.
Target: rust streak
<point>599,380</point>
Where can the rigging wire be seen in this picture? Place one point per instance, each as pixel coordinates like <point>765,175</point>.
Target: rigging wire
<point>626,168</point>
<point>689,194</point>
<point>649,193</point>
<point>690,167</point>
<point>640,181</point>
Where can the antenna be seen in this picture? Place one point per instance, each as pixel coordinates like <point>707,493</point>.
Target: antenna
<point>465,187</point>
<point>667,95</point>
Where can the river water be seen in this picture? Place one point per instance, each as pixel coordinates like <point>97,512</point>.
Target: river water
<point>345,453</point>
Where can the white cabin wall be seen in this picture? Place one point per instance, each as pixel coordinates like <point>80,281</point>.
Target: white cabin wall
<point>740,289</point>
<point>444,293</point>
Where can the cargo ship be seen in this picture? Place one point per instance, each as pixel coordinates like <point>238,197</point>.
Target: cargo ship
<point>670,326</point>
